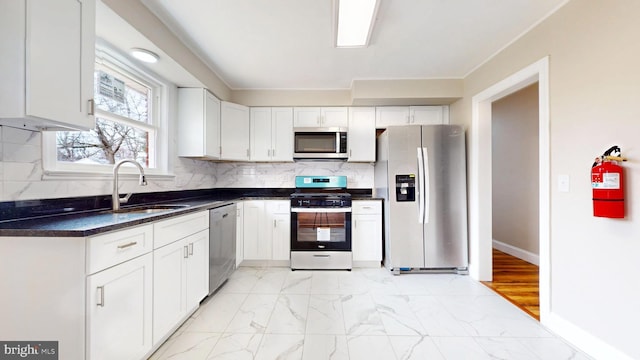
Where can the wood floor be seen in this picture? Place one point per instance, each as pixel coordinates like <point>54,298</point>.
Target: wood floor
<point>517,281</point>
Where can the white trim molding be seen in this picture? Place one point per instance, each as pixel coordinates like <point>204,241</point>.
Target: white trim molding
<point>480,219</point>
<point>522,254</point>
<point>588,343</point>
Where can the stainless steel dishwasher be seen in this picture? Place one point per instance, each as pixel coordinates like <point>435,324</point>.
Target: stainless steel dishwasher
<point>222,245</point>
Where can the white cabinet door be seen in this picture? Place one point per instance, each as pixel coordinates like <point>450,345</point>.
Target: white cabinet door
<point>306,117</point>
<point>261,145</point>
<point>267,227</point>
<point>334,117</point>
<point>47,46</point>
<point>429,115</point>
<point>271,134</point>
<point>239,233</point>
<point>211,126</point>
<point>321,117</point>
<point>362,134</point>
<point>257,236</point>
<point>119,311</point>
<point>199,123</point>
<point>391,116</point>
<point>367,231</point>
<point>197,268</point>
<point>279,220</point>
<point>169,287</point>
<point>282,134</point>
<point>234,131</point>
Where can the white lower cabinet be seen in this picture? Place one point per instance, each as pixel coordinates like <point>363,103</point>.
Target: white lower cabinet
<point>119,311</point>
<point>257,241</point>
<point>115,295</point>
<point>197,268</point>
<point>169,287</point>
<point>279,217</point>
<point>180,281</point>
<point>366,234</point>
<point>267,228</point>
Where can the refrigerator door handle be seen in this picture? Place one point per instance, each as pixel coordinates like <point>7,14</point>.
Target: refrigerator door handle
<point>420,190</point>
<point>426,184</point>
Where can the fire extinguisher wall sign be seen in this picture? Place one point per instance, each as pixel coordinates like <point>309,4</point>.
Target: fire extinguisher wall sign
<point>607,182</point>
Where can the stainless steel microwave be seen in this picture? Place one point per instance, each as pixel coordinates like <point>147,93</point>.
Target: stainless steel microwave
<point>320,143</point>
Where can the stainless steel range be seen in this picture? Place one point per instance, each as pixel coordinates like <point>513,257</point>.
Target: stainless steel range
<point>321,223</point>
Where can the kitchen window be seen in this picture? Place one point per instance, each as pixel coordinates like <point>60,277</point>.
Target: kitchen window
<point>130,111</point>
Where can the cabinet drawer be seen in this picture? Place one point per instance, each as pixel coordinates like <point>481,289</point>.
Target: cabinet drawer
<point>119,246</point>
<point>366,207</point>
<point>168,231</point>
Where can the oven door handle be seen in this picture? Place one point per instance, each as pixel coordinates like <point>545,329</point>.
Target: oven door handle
<point>321,210</point>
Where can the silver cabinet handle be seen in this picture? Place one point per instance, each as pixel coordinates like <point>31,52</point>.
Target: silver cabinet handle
<point>273,152</point>
<point>322,256</point>
<point>248,153</point>
<point>101,297</point>
<point>92,107</point>
<point>190,249</point>
<point>274,223</point>
<point>124,246</point>
<point>186,251</point>
<point>366,207</point>
<point>268,152</point>
<point>225,215</point>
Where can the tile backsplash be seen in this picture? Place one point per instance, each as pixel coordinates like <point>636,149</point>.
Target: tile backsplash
<point>21,173</point>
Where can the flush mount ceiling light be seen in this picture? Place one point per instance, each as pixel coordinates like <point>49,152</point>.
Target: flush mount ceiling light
<point>354,22</point>
<point>144,55</point>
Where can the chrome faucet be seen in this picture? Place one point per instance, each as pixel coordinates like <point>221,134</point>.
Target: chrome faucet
<point>115,197</point>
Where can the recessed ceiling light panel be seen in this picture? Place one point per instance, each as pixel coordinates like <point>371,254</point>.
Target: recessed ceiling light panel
<point>354,22</point>
<point>144,55</point>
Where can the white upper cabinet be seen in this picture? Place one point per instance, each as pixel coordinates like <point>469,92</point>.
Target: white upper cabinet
<point>429,115</point>
<point>391,116</point>
<point>234,131</point>
<point>362,134</point>
<point>411,115</point>
<point>47,64</point>
<point>320,117</point>
<point>271,134</point>
<point>199,123</point>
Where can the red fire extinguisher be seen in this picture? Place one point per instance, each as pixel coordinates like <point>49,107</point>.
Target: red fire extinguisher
<point>607,182</point>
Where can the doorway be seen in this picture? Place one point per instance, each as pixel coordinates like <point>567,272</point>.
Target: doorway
<point>515,184</point>
<point>480,179</point>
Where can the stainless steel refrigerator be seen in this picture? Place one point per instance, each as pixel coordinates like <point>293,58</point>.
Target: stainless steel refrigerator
<point>420,172</point>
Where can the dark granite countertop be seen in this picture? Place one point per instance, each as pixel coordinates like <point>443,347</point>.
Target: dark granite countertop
<point>87,216</point>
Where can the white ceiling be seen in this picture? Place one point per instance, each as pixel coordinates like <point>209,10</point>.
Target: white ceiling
<point>288,44</point>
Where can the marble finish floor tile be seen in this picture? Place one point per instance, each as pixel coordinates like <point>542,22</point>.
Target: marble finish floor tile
<point>275,313</point>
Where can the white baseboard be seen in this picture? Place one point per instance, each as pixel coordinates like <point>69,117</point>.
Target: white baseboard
<point>586,342</point>
<point>517,252</point>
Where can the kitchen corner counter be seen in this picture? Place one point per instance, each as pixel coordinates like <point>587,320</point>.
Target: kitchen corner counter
<point>89,223</point>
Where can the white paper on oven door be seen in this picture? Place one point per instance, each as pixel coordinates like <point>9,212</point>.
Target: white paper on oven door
<point>323,234</point>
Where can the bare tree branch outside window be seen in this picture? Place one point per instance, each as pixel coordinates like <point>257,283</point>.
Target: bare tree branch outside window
<point>111,140</point>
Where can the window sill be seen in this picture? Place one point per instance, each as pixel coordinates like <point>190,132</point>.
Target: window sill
<point>99,175</point>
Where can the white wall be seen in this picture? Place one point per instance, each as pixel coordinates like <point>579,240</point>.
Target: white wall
<point>514,166</point>
<point>594,86</point>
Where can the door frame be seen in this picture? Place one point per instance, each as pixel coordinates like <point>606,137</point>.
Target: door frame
<point>480,207</point>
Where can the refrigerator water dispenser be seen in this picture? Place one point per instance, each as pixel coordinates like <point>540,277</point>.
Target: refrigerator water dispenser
<point>406,187</point>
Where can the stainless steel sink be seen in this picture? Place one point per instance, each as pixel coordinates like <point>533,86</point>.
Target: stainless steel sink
<point>148,209</point>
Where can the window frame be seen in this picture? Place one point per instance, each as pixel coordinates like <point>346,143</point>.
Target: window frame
<point>158,115</point>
